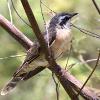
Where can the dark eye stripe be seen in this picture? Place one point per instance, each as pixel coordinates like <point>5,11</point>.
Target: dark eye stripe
<point>64,21</point>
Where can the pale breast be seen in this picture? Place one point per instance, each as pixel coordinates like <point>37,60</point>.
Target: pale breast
<point>62,42</point>
<point>60,45</point>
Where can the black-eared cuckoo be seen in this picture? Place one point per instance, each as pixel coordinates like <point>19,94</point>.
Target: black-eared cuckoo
<point>58,35</point>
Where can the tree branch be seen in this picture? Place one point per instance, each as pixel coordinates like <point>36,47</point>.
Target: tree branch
<point>96,6</point>
<point>15,33</point>
<point>37,32</point>
<point>66,79</point>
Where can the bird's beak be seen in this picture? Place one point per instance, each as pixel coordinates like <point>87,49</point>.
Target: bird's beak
<point>74,14</point>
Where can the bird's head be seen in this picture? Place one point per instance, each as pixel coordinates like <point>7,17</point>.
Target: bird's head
<point>62,19</point>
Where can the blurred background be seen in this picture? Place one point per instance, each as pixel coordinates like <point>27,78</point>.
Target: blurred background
<point>42,87</point>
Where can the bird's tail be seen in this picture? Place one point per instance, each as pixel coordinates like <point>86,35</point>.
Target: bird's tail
<point>11,84</point>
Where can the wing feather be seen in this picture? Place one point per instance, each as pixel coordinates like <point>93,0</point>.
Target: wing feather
<point>33,53</point>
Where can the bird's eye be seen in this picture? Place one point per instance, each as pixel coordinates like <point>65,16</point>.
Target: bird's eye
<point>63,20</point>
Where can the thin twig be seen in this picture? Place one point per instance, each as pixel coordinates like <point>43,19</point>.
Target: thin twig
<point>19,14</point>
<point>86,31</point>
<point>48,7</point>
<point>12,56</point>
<point>96,6</point>
<point>90,73</point>
<point>46,26</point>
<point>74,64</point>
<point>57,85</point>
<point>68,56</point>
<point>42,14</point>
<point>10,12</point>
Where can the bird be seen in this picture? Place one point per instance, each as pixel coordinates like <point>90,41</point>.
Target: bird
<point>58,36</point>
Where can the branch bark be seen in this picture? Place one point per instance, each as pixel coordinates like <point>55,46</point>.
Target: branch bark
<point>37,32</point>
<point>66,78</point>
<point>15,33</point>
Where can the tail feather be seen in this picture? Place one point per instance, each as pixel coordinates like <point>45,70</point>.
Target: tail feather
<point>11,85</point>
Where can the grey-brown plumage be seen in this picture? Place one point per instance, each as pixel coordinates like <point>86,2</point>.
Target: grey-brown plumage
<point>59,39</point>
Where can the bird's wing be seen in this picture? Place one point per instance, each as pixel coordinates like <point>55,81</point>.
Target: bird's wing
<point>33,53</point>
<point>22,73</point>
